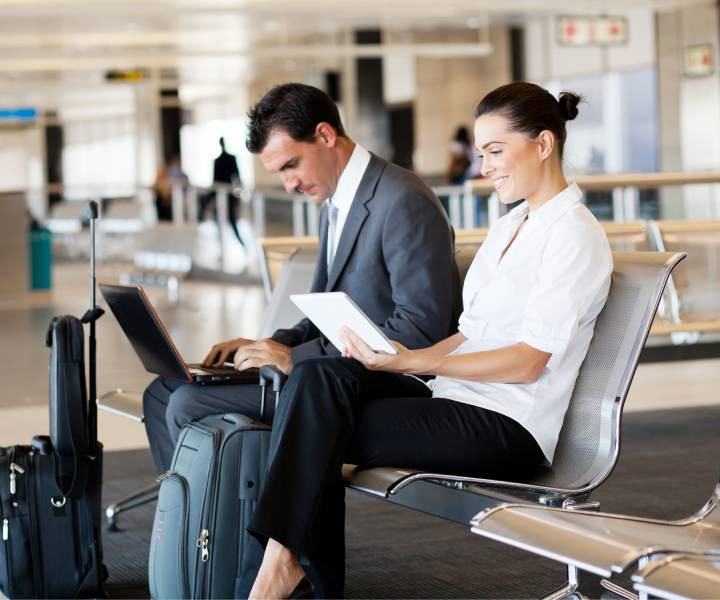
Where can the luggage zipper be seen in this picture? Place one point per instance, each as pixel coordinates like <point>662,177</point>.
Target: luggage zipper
<point>15,470</point>
<point>8,558</point>
<point>208,506</point>
<point>202,543</point>
<point>33,520</point>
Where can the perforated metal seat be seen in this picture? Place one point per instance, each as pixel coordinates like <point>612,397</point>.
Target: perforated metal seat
<point>588,446</point>
<point>680,576</point>
<point>601,543</point>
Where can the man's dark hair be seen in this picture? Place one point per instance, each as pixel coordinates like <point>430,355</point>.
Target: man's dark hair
<point>294,108</point>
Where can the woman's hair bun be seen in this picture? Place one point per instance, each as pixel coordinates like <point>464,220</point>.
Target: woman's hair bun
<point>568,105</point>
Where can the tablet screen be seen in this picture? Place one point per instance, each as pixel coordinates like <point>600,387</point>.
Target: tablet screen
<point>330,311</point>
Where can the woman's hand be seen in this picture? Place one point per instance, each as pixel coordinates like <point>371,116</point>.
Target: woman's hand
<point>356,348</point>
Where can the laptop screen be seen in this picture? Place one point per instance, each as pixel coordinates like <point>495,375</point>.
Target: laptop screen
<point>143,328</point>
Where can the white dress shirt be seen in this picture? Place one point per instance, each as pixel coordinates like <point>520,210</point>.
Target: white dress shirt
<point>344,193</point>
<point>546,292</point>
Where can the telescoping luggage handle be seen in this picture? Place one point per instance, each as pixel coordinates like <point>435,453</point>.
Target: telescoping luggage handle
<point>269,374</point>
<point>93,314</point>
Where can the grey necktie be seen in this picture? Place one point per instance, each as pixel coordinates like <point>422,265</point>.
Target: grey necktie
<point>332,233</point>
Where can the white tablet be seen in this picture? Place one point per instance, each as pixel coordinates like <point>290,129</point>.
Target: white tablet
<point>332,310</point>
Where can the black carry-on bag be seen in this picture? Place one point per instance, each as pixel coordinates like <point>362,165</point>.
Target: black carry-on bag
<point>50,490</point>
<point>200,547</point>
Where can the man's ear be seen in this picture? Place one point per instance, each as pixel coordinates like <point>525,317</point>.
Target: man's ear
<point>326,134</point>
<point>546,143</point>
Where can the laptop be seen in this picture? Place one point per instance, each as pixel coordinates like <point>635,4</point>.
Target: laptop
<point>152,343</point>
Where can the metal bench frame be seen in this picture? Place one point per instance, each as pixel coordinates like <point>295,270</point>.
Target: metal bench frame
<point>680,576</point>
<point>589,442</point>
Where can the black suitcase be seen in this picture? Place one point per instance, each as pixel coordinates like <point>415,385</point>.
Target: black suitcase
<point>50,491</point>
<point>50,547</point>
<point>200,547</point>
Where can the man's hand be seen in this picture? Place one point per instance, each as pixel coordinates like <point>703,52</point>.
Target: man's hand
<point>223,352</point>
<point>264,352</point>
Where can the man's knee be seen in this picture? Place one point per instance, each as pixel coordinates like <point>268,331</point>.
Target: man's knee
<point>180,409</point>
<point>321,368</point>
<point>155,399</point>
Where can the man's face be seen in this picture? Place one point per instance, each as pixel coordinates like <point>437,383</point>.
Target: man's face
<point>304,167</point>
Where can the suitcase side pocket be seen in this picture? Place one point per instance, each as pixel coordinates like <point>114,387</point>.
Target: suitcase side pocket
<point>168,569</point>
<point>253,468</point>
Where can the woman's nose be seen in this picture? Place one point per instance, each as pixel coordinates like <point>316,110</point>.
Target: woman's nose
<point>485,167</point>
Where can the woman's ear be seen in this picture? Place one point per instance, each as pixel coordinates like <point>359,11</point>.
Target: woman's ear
<point>325,133</point>
<point>546,143</point>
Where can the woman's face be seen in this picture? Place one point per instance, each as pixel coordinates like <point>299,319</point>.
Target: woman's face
<point>509,158</point>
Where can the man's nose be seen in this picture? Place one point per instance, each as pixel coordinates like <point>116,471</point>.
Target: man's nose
<point>290,182</point>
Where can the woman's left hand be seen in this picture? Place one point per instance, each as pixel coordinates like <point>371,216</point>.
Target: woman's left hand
<point>356,348</point>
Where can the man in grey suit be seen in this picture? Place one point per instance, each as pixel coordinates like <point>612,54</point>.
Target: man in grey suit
<point>384,240</point>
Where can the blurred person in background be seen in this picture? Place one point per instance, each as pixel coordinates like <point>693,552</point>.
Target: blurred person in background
<point>167,177</point>
<point>225,173</point>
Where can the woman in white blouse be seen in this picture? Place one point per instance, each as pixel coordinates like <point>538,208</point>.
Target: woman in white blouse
<point>502,383</point>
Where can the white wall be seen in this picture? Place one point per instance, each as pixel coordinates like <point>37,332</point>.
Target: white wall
<point>448,89</point>
<point>546,59</point>
<point>691,112</point>
<point>15,152</point>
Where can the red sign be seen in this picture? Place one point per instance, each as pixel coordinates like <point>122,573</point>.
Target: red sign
<point>592,31</point>
<point>699,60</point>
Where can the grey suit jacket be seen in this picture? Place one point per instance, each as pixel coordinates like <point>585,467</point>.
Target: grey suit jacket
<point>395,259</point>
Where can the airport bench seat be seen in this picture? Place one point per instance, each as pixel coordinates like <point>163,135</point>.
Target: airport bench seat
<point>680,576</point>
<point>600,543</point>
<point>589,442</point>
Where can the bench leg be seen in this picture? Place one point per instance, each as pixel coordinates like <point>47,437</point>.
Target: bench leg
<point>143,496</point>
<point>570,589</point>
<point>618,590</point>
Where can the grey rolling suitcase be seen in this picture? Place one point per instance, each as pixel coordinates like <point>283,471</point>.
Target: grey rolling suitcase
<point>200,547</point>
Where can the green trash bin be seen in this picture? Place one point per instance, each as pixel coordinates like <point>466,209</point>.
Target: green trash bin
<point>40,259</point>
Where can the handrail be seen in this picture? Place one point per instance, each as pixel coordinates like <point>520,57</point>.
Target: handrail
<point>620,180</point>
<point>625,189</point>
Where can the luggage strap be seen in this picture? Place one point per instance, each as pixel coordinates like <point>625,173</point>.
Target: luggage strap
<point>92,315</point>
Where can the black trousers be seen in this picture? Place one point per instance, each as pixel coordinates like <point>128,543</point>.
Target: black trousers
<point>333,411</point>
<point>170,404</point>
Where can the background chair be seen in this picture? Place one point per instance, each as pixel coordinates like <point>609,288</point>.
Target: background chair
<point>680,576</point>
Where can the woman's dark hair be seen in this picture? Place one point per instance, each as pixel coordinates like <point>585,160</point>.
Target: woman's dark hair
<point>531,109</point>
<point>294,108</point>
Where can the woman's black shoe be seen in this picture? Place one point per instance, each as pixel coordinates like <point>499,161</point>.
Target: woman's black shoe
<point>303,590</point>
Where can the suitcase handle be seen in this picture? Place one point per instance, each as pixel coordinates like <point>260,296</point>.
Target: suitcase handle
<point>270,374</point>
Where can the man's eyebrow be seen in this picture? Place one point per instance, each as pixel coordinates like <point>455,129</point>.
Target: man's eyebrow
<point>489,143</point>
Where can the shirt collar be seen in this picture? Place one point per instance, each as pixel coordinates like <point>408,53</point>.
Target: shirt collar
<point>349,180</point>
<point>552,210</point>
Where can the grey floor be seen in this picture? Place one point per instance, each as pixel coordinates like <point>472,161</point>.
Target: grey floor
<point>668,467</point>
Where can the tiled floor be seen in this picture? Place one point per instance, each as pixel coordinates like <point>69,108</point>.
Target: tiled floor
<point>207,313</point>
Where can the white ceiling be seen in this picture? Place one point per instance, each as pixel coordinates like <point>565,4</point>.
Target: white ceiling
<point>51,45</point>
